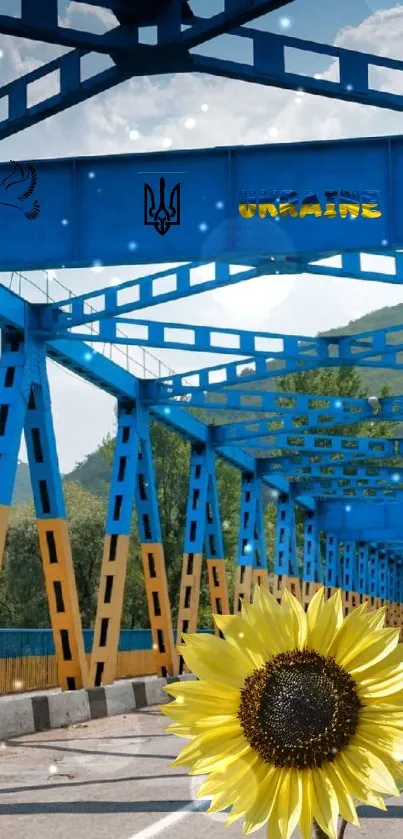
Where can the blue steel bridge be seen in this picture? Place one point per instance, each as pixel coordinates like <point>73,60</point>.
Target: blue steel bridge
<point>212,210</point>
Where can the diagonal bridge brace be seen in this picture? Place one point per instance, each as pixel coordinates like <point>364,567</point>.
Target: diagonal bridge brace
<point>277,404</point>
<point>172,55</point>
<point>374,347</point>
<point>198,277</point>
<point>368,349</point>
<point>268,67</point>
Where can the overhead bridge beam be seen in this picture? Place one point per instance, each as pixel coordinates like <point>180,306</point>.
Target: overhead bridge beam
<point>95,208</point>
<point>267,65</point>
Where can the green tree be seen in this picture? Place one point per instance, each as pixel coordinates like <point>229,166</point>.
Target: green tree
<point>23,601</point>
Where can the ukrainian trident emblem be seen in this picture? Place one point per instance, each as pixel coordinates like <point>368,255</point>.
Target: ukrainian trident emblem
<point>164,215</point>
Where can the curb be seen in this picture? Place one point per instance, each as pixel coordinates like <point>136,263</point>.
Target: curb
<point>21,715</point>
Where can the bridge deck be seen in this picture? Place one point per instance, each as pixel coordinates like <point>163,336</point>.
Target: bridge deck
<point>111,777</point>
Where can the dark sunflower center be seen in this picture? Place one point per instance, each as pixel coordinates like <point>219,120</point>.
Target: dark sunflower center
<point>299,710</point>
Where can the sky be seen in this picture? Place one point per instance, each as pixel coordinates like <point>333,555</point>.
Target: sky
<point>192,111</point>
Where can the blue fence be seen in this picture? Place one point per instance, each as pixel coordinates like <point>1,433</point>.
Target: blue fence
<point>20,643</point>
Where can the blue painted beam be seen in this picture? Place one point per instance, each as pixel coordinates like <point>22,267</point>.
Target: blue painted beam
<point>112,378</point>
<point>12,309</point>
<point>366,522</point>
<point>299,422</point>
<point>268,67</point>
<point>236,13</point>
<point>368,446</point>
<point>111,229</point>
<point>74,88</point>
<point>351,482</point>
<point>195,278</point>
<point>293,352</point>
<point>152,290</point>
<point>351,268</point>
<point>356,493</point>
<point>382,474</point>
<point>293,460</point>
<point>47,31</point>
<point>281,403</point>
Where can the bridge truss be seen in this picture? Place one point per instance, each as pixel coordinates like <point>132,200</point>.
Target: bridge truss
<point>349,487</point>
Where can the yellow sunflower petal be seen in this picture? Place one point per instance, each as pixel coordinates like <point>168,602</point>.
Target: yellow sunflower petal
<point>305,822</point>
<point>324,619</point>
<point>356,644</point>
<point>375,691</point>
<point>260,812</point>
<point>325,804</point>
<point>243,638</point>
<point>245,796</point>
<point>212,744</point>
<point>215,662</point>
<point>368,764</point>
<point>273,824</point>
<point>264,601</point>
<point>388,744</point>
<point>230,775</point>
<point>358,783</point>
<point>296,619</point>
<point>290,794</point>
<point>181,730</point>
<point>371,650</point>
<point>344,798</point>
<point>393,664</point>
<point>202,691</point>
<point>267,616</point>
<point>379,714</point>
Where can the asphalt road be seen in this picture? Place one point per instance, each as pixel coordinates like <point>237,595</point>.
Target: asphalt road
<point>111,778</point>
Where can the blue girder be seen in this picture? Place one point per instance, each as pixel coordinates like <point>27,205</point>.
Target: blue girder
<point>111,226</point>
<point>92,211</point>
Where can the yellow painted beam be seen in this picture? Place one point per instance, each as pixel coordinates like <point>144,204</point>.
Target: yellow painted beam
<point>282,582</point>
<point>57,561</point>
<point>166,659</point>
<point>189,596</point>
<point>260,577</point>
<point>243,586</point>
<point>109,610</point>
<point>217,580</point>
<point>4,516</point>
<point>350,599</point>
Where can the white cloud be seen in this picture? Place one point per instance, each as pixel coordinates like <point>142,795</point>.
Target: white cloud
<point>138,115</point>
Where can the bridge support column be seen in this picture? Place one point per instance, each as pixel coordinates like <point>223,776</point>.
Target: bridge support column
<point>132,480</point>
<point>152,554</point>
<point>116,547</point>
<point>286,572</point>
<point>252,559</point>
<point>332,564</point>
<point>362,573</point>
<point>214,550</point>
<point>14,394</point>
<point>203,535</point>
<point>350,595</point>
<point>312,573</point>
<point>53,531</point>
<point>383,580</point>
<point>373,577</point>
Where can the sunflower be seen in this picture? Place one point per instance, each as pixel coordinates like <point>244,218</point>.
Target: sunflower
<point>296,716</point>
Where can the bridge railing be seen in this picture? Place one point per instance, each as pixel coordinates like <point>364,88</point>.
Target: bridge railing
<point>28,661</point>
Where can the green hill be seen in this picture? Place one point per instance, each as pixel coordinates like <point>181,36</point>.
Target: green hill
<point>93,473</point>
<point>376,377</point>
